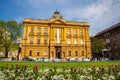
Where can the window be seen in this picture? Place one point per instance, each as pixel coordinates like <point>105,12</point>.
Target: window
<point>76,53</point>
<point>45,52</point>
<point>52,54</point>
<point>38,41</point>
<point>81,32</point>
<point>107,40</point>
<point>69,41</point>
<point>31,40</point>
<point>45,30</point>
<point>75,41</point>
<point>75,31</point>
<point>69,53</point>
<point>39,30</point>
<point>58,36</point>
<point>30,53</point>
<point>81,42</point>
<point>38,53</point>
<point>32,30</point>
<point>45,40</point>
<point>68,31</point>
<point>63,54</point>
<point>82,53</point>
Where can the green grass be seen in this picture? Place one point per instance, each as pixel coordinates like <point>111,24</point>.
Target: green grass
<point>59,64</point>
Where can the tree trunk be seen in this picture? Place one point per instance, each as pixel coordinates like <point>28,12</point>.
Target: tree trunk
<point>6,53</point>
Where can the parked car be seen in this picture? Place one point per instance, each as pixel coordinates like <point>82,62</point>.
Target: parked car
<point>56,60</point>
<point>30,59</point>
<point>73,59</point>
<point>43,60</point>
<point>85,59</point>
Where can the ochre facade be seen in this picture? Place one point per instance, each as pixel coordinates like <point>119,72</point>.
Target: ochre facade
<point>55,38</point>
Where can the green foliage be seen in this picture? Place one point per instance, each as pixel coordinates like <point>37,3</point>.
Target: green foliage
<point>9,32</point>
<point>97,45</point>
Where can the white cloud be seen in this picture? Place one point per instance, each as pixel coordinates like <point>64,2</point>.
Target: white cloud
<point>100,15</point>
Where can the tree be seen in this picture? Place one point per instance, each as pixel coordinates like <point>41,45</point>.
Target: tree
<point>2,28</point>
<point>97,46</point>
<point>10,31</point>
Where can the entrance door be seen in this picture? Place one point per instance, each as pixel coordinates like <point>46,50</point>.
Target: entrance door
<point>58,52</point>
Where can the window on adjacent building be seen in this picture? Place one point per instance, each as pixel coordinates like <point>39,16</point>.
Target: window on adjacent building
<point>69,41</point>
<point>38,53</point>
<point>38,41</point>
<point>31,40</point>
<point>69,53</point>
<point>68,31</point>
<point>75,31</point>
<point>107,40</point>
<point>45,52</point>
<point>82,53</point>
<point>45,40</point>
<point>81,32</point>
<point>81,42</point>
<point>30,53</point>
<point>32,30</point>
<point>75,41</point>
<point>39,30</point>
<point>76,53</point>
<point>45,30</point>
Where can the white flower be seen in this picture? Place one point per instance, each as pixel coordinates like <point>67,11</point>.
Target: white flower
<point>111,78</point>
<point>104,78</point>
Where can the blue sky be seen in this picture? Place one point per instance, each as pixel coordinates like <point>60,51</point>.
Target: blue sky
<point>100,14</point>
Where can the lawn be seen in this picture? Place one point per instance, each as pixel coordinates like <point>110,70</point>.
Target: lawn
<point>60,70</point>
<point>59,64</point>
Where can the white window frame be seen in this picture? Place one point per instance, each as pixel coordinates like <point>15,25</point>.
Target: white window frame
<point>31,40</point>
<point>69,41</point>
<point>81,42</point>
<point>37,53</point>
<point>69,31</point>
<point>45,30</point>
<point>81,32</point>
<point>45,52</point>
<point>75,41</point>
<point>45,40</point>
<point>32,30</point>
<point>39,30</point>
<point>37,40</point>
<point>75,31</point>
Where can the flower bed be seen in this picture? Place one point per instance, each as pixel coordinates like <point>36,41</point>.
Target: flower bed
<point>22,72</point>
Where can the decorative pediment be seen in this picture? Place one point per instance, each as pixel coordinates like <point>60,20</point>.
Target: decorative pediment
<point>58,21</point>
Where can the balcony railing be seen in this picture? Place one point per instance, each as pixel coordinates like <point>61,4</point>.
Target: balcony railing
<point>31,33</point>
<point>75,35</point>
<point>52,44</point>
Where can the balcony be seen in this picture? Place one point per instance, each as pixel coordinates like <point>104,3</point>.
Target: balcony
<point>75,35</point>
<point>69,35</point>
<point>35,44</point>
<point>31,33</point>
<point>38,33</point>
<point>45,33</point>
<point>58,44</point>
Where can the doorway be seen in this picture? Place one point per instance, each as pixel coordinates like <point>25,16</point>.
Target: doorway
<point>58,52</point>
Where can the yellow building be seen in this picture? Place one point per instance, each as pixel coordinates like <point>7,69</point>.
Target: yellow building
<point>55,38</point>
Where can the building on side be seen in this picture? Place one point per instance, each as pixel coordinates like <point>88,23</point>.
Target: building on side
<point>55,38</point>
<point>111,37</point>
